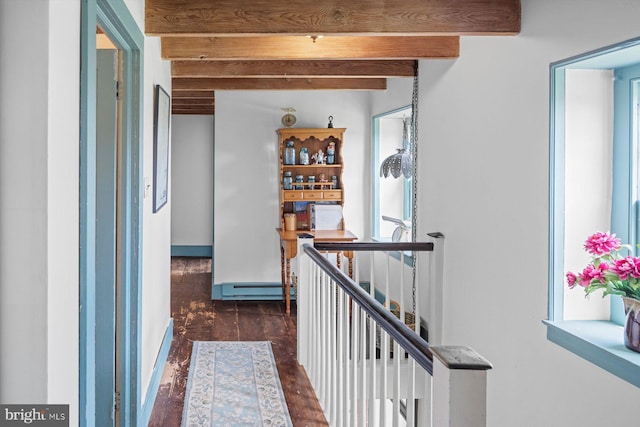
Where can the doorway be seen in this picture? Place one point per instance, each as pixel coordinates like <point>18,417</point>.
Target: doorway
<point>107,132</point>
<point>110,216</point>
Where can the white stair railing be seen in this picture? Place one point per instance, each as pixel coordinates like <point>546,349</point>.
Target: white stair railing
<point>367,367</point>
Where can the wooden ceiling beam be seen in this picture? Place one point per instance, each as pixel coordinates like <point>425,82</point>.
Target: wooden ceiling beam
<point>182,102</point>
<point>178,84</point>
<point>300,68</point>
<point>194,112</point>
<point>192,94</point>
<point>193,108</point>
<point>297,47</point>
<point>332,17</point>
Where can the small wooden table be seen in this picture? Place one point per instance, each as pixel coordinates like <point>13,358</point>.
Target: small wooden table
<point>289,249</point>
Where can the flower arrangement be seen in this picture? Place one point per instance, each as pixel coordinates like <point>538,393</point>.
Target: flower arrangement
<point>610,269</point>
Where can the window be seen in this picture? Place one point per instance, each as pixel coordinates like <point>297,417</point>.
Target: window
<point>593,187</point>
<point>392,197</point>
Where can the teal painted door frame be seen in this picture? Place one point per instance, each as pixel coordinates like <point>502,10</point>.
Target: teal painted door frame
<point>116,21</point>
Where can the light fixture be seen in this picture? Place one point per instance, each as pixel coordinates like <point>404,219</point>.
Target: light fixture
<point>404,161</point>
<point>400,163</point>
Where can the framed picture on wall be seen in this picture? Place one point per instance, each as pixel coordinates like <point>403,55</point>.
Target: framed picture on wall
<point>161,136</point>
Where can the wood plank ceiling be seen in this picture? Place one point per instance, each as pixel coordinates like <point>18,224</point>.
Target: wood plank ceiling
<point>297,44</point>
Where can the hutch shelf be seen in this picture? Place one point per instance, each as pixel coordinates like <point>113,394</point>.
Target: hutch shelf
<point>329,191</point>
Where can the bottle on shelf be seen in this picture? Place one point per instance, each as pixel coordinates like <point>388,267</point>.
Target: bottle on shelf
<point>331,153</point>
<point>304,156</point>
<point>299,178</point>
<point>287,181</point>
<point>289,154</point>
<point>311,179</point>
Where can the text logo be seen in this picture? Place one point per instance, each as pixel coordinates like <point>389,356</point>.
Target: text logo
<point>34,415</point>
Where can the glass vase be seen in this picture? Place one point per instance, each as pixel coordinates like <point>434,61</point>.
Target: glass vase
<point>632,323</point>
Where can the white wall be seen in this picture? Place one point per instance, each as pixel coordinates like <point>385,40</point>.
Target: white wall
<point>484,134</point>
<point>63,207</point>
<point>39,203</point>
<point>246,173</point>
<point>23,205</point>
<point>192,180</point>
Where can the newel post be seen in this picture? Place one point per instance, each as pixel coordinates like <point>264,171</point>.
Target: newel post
<point>301,273</point>
<point>459,387</point>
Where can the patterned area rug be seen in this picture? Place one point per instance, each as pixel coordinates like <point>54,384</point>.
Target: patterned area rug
<point>234,383</point>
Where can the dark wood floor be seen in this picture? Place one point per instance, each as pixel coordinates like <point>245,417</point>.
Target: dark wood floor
<point>197,318</point>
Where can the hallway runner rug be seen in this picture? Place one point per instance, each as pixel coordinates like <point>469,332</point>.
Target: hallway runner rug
<point>234,383</point>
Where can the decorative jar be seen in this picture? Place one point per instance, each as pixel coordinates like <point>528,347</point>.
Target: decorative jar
<point>304,156</point>
<point>331,153</point>
<point>287,181</point>
<point>289,154</point>
<point>290,222</point>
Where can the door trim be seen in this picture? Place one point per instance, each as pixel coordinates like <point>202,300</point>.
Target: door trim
<point>116,20</point>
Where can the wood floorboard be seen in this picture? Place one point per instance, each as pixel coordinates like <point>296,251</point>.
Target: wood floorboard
<point>197,318</point>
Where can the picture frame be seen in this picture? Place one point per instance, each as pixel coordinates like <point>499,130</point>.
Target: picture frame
<point>161,137</point>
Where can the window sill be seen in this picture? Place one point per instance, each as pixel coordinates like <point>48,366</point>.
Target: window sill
<point>599,342</point>
<point>408,255</point>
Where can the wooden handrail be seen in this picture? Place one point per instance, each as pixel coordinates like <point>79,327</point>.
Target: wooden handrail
<point>374,246</point>
<point>411,342</point>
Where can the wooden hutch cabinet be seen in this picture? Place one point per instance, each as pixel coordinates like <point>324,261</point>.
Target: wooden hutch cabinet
<point>298,196</point>
<point>296,199</point>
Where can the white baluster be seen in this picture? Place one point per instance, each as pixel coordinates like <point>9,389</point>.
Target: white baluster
<point>373,363</point>
<point>332,351</point>
<point>362,389</point>
<point>411,395</point>
<point>346,373</point>
<point>339,357</point>
<point>314,326</point>
<point>396,383</point>
<point>398,353</point>
<point>325,339</point>
<point>384,349</point>
<point>355,338</point>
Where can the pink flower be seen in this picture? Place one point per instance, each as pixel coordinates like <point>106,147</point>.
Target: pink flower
<point>610,270</point>
<point>625,267</point>
<point>571,279</point>
<point>591,273</point>
<point>602,243</point>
